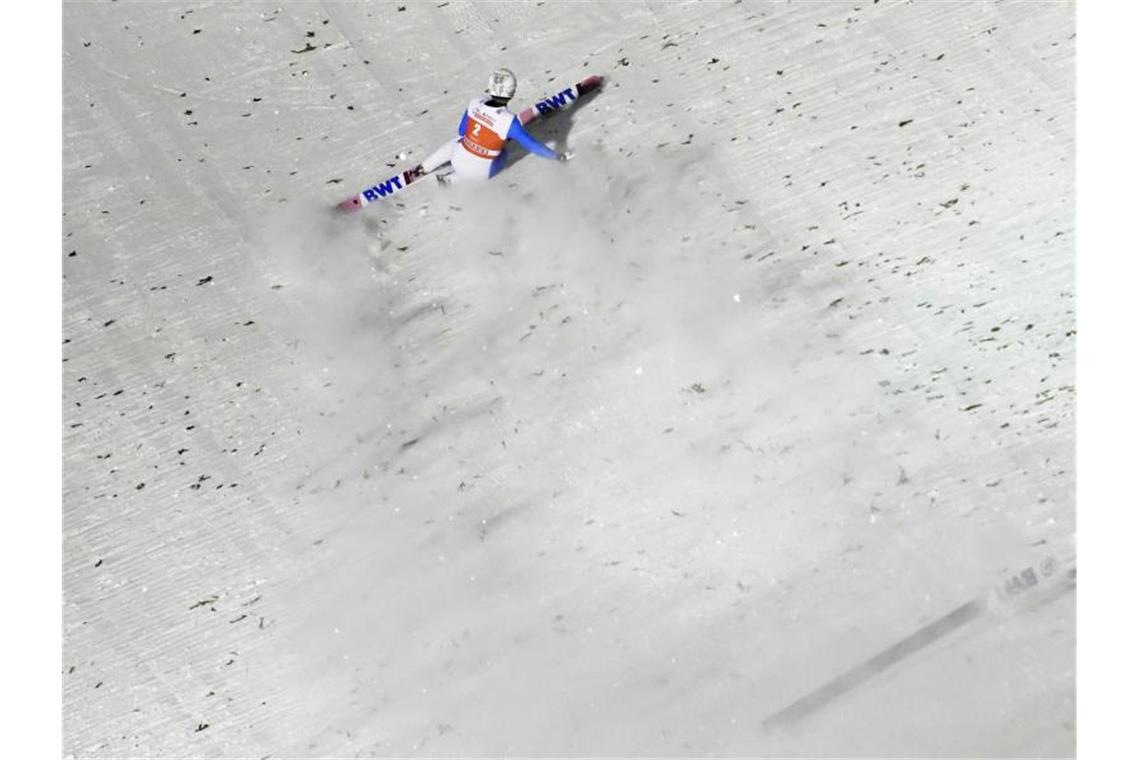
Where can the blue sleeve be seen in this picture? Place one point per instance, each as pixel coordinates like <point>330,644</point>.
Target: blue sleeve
<point>523,138</point>
<point>463,125</point>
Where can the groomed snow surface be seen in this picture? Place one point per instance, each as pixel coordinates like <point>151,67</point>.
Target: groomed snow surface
<point>624,456</point>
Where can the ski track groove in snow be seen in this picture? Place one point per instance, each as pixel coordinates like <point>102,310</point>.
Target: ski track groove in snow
<point>695,427</point>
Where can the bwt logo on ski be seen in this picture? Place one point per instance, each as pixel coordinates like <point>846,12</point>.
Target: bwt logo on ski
<point>387,187</point>
<point>552,104</point>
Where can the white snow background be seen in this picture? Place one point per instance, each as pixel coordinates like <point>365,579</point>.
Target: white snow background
<point>617,457</point>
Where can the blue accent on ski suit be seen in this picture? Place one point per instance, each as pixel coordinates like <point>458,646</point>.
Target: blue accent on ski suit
<point>518,133</point>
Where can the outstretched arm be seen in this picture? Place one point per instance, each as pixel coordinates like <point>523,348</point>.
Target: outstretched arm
<point>523,138</point>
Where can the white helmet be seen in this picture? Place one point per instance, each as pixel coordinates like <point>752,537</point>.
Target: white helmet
<point>502,84</point>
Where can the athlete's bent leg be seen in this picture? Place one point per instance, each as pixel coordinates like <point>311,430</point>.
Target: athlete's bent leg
<point>440,156</point>
<point>469,166</point>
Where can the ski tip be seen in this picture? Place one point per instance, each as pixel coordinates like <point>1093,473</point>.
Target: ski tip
<point>352,204</point>
<point>591,83</point>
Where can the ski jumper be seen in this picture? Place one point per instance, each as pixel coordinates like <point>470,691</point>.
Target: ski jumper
<point>480,150</point>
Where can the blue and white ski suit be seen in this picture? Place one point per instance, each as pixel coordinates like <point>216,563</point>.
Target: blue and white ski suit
<point>480,150</point>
